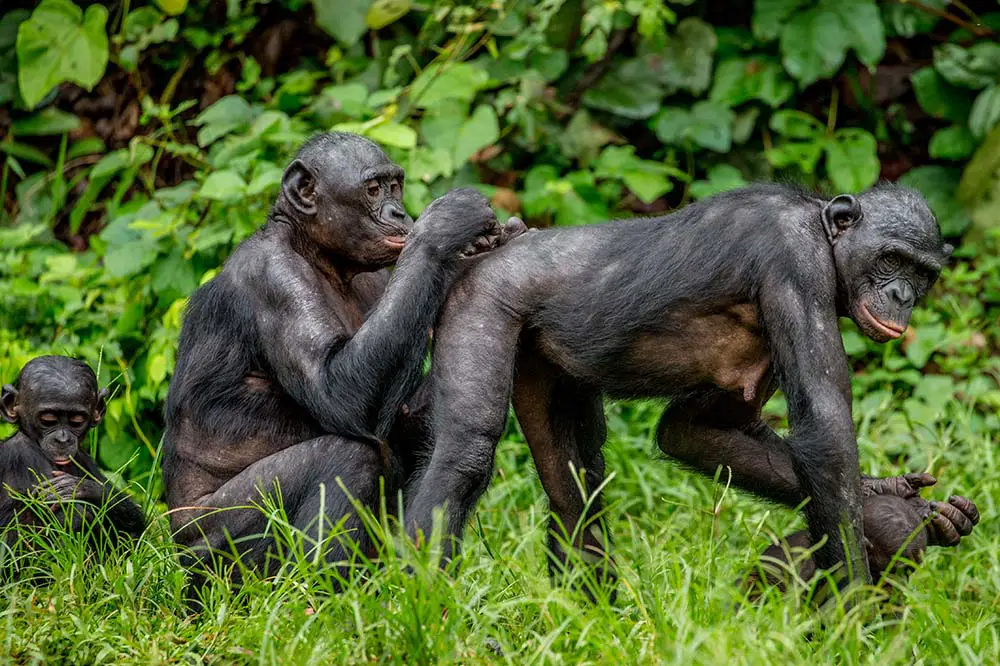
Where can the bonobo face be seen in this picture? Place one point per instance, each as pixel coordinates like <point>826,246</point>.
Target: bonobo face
<point>888,252</point>
<point>54,402</point>
<point>348,194</point>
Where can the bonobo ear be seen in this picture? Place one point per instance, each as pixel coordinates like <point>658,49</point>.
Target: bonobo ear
<point>839,215</point>
<point>8,403</point>
<point>101,407</point>
<point>299,187</point>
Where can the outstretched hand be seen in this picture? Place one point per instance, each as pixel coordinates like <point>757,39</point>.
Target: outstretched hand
<point>948,521</point>
<point>496,237</point>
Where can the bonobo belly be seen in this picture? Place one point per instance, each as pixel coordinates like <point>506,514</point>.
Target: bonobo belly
<point>722,347</point>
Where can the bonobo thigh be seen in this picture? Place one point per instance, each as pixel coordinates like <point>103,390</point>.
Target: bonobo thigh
<point>303,480</point>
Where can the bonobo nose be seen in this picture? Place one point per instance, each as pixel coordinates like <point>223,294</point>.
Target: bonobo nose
<point>900,293</point>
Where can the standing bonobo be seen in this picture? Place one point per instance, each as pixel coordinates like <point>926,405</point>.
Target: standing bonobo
<point>54,402</point>
<point>714,307</point>
<point>296,360</point>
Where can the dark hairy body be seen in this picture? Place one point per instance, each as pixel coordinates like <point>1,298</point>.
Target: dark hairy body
<point>714,307</point>
<point>295,362</point>
<point>54,402</point>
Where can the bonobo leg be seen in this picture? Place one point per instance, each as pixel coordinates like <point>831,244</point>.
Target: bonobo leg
<point>472,373</point>
<point>304,476</point>
<point>564,424</point>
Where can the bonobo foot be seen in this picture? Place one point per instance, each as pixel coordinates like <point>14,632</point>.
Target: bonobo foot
<point>499,235</point>
<point>899,526</point>
<point>590,556</point>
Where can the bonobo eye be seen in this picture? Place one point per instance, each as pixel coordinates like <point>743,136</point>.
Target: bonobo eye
<point>373,188</point>
<point>48,419</point>
<point>78,420</point>
<point>891,262</point>
<point>395,188</point>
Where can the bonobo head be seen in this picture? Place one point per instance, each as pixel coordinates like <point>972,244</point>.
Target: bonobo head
<point>54,402</point>
<point>888,252</point>
<point>345,195</point>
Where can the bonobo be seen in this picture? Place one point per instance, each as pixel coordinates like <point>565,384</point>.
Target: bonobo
<point>295,362</point>
<point>714,306</point>
<point>897,532</point>
<point>54,402</point>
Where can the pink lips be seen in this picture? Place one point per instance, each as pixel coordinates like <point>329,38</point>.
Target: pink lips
<point>395,242</point>
<point>888,328</point>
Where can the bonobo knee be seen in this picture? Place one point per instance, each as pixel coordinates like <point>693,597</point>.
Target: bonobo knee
<point>672,435</point>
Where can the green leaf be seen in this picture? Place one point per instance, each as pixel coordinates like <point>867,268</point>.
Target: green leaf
<point>460,80</point>
<point>393,134</point>
<point>952,143</point>
<point>938,185</point>
<point>985,111</point>
<point>344,20</point>
<point>769,16</point>
<point>904,20</point>
<point>227,115</point>
<point>115,161</point>
<point>61,43</point>
<point>976,67</point>
<point>480,130</point>
<point>25,152</point>
<point>632,90</point>
<point>796,124</point>
<point>938,97</point>
<point>223,185</point>
<point>721,177</point>
<point>863,24</point>
<point>813,45</point>
<point>740,80</point>
<point>688,57</point>
<point>707,124</point>
<point>385,12</point>
<point>50,121</point>
<point>852,160</point>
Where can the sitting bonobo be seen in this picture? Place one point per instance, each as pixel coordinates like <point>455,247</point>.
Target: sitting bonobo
<point>298,360</point>
<point>54,402</point>
<point>898,529</point>
<point>714,307</point>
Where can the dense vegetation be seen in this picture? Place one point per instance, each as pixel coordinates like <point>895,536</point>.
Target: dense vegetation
<point>141,141</point>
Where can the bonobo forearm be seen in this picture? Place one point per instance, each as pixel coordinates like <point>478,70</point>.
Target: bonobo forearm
<point>368,378</point>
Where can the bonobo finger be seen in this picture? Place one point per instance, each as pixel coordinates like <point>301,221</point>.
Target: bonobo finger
<point>919,480</point>
<point>966,506</point>
<point>57,473</point>
<point>943,531</point>
<point>961,522</point>
<point>513,228</point>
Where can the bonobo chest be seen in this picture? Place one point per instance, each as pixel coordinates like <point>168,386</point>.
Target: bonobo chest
<point>723,347</point>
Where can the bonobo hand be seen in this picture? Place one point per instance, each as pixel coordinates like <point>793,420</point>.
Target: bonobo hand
<point>949,521</point>
<point>459,219</point>
<point>514,227</point>
<point>68,487</point>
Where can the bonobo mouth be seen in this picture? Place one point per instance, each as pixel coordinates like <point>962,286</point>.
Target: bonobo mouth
<point>395,242</point>
<point>890,329</point>
<point>60,462</point>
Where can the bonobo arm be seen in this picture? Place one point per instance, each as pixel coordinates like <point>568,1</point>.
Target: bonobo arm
<point>355,385</point>
<point>119,509</point>
<point>803,334</point>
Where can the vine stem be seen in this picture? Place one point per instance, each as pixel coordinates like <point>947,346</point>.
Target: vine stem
<point>978,31</point>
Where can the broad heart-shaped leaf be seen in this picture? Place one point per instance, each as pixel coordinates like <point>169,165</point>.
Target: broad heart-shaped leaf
<point>223,185</point>
<point>813,45</point>
<point>480,130</point>
<point>740,80</point>
<point>61,43</point>
<point>227,115</point>
<point>985,111</point>
<point>707,124</point>
<point>460,80</point>
<point>689,56</point>
<point>393,134</point>
<point>769,16</point>
<point>344,20</point>
<point>632,89</point>
<point>952,143</point>
<point>863,23</point>
<point>852,160</point>
<point>976,67</point>
<point>721,177</point>
<point>938,185</point>
<point>938,97</point>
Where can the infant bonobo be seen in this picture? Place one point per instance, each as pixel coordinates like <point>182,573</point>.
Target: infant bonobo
<point>898,529</point>
<point>54,402</point>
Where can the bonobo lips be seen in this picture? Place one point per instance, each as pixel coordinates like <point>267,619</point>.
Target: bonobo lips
<point>395,242</point>
<point>889,329</point>
<point>60,462</point>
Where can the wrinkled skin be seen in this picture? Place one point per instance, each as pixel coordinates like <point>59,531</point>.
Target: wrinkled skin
<point>54,403</point>
<point>296,362</point>
<point>899,527</point>
<point>715,307</point>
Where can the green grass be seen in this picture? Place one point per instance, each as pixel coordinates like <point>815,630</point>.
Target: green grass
<point>681,542</point>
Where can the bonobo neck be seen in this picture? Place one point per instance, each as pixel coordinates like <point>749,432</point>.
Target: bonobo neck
<point>337,271</point>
